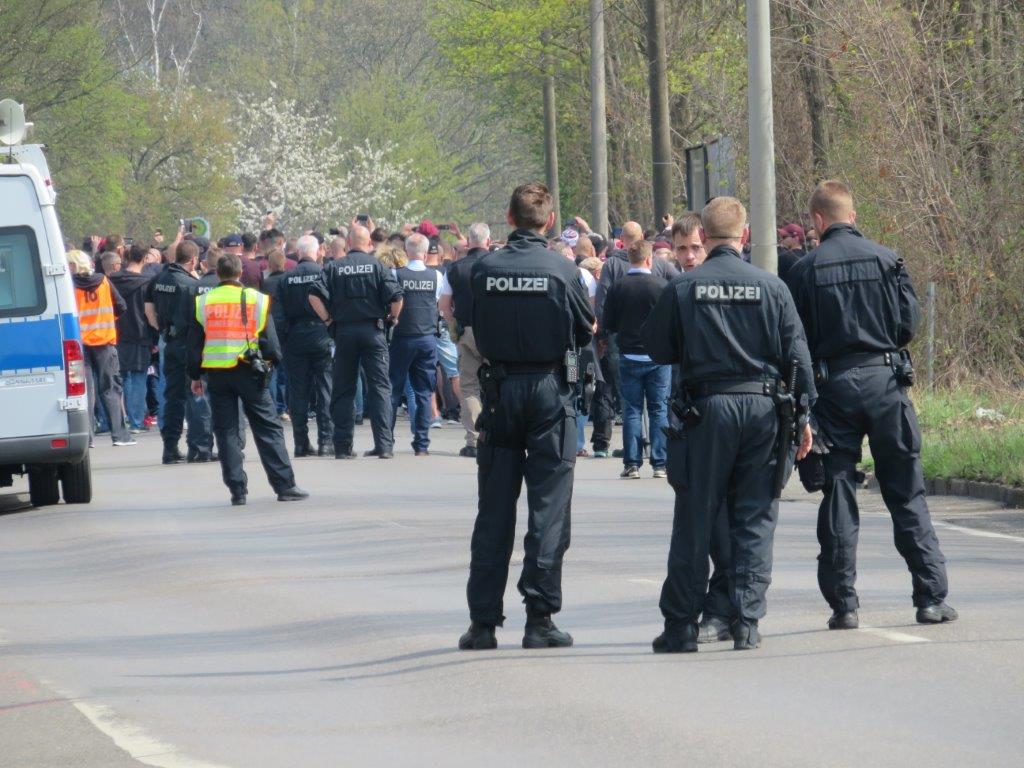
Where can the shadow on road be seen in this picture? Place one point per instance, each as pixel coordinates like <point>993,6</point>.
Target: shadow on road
<point>10,503</point>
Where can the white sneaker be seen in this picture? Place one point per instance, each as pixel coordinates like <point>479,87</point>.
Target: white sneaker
<point>660,472</point>
<point>122,443</point>
<point>630,473</point>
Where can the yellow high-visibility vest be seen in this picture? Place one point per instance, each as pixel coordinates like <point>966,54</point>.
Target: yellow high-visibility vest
<point>219,311</point>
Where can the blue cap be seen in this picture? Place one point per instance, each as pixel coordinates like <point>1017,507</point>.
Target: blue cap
<point>231,241</point>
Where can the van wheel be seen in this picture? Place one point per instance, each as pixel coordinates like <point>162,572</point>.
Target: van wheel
<point>76,479</point>
<point>42,486</point>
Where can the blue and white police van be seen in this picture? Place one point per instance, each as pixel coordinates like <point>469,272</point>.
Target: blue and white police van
<point>44,419</point>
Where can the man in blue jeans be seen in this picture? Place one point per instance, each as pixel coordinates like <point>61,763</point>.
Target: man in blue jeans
<point>626,308</point>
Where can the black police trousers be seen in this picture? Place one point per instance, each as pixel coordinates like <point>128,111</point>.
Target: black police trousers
<point>727,458</point>
<point>531,436</point>
<point>363,344</point>
<point>309,378</point>
<point>226,388</point>
<point>718,601</point>
<point>852,404</point>
<point>179,402</point>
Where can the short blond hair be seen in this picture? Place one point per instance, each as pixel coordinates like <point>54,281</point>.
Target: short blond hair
<point>639,252</point>
<point>724,218</point>
<point>831,200</point>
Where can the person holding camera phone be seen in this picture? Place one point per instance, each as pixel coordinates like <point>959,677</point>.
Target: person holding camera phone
<point>234,343</point>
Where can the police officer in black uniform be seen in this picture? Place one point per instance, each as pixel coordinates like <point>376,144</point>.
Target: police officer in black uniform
<point>529,310</point>
<point>735,333</point>
<point>363,299</point>
<point>860,311</point>
<point>307,350</point>
<point>413,353</point>
<point>241,383</point>
<point>170,306</point>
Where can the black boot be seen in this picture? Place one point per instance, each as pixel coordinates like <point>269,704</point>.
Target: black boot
<point>682,639</point>
<point>292,494</point>
<point>479,637</point>
<point>713,629</point>
<point>843,620</point>
<point>936,613</point>
<point>745,636</point>
<point>172,455</point>
<point>541,632</point>
<point>324,450</point>
<point>303,449</point>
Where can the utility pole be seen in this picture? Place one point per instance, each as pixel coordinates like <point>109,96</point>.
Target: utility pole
<point>598,123</point>
<point>551,141</point>
<point>762,139</point>
<point>661,136</point>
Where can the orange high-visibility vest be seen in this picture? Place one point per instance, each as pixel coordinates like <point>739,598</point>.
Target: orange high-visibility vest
<point>96,315</point>
<point>220,313</point>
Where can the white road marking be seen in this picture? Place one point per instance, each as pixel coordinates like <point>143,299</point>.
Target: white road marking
<point>981,534</point>
<point>896,637</point>
<point>133,739</point>
<point>655,582</point>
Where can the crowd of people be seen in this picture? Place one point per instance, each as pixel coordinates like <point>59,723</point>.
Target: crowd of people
<point>267,329</point>
<point>433,377</point>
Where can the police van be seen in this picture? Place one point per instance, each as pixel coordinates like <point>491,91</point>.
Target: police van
<point>44,419</point>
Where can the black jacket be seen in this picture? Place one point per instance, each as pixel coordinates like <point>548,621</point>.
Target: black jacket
<point>357,288</point>
<point>627,307</point>
<point>529,305</point>
<point>729,320</point>
<point>853,296</point>
<point>132,326</point>
<point>617,265</point>
<point>173,295</point>
<point>462,292</point>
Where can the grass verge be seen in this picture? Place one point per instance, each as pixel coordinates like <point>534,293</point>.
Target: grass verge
<point>971,435</point>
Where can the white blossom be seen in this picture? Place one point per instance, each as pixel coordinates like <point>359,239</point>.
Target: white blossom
<point>294,164</point>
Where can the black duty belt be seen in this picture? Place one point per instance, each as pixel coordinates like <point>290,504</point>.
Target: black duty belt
<point>766,387</point>
<point>513,368</point>
<point>861,360</point>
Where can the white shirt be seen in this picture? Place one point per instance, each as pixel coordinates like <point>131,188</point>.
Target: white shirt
<point>446,287</point>
<point>588,282</point>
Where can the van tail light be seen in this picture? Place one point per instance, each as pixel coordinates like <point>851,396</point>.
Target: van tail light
<point>74,368</point>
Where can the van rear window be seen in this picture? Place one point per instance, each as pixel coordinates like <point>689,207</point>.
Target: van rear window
<point>21,276</point>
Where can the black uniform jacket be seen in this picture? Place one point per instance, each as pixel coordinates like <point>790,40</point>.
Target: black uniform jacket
<point>853,296</point>
<point>512,327</point>
<point>728,320</point>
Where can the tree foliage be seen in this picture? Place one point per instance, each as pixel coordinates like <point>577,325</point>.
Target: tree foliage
<point>295,165</point>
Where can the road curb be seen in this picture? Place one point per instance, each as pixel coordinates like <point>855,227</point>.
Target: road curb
<point>1007,495</point>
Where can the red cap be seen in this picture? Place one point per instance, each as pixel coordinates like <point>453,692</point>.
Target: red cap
<point>662,245</point>
<point>427,228</point>
<point>795,230</point>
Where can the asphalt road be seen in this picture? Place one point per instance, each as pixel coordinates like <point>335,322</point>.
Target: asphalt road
<point>160,626</point>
